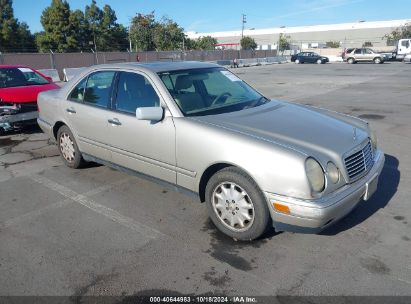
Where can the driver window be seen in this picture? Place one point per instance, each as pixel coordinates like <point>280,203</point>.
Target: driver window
<point>135,91</point>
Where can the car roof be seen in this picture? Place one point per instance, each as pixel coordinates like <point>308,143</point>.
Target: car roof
<point>159,66</point>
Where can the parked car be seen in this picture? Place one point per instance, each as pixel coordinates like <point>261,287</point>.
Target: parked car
<point>309,57</point>
<point>256,162</point>
<point>345,52</point>
<point>364,55</point>
<point>19,87</point>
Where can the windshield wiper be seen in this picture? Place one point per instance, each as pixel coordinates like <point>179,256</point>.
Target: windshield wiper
<point>257,102</point>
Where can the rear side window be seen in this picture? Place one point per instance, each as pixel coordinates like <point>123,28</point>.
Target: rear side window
<point>358,51</point>
<point>77,94</point>
<point>98,88</point>
<point>135,91</point>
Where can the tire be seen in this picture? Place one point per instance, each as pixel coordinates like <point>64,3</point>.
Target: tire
<point>68,148</point>
<point>236,205</point>
<point>377,60</point>
<point>319,61</point>
<point>297,61</point>
<point>350,60</point>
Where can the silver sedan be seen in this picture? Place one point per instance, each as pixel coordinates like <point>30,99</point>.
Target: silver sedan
<point>255,162</point>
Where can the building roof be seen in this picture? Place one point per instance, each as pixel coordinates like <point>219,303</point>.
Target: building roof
<point>307,29</point>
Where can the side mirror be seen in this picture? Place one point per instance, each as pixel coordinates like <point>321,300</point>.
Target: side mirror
<point>150,113</point>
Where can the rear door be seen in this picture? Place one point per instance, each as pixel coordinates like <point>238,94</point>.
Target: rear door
<point>359,54</point>
<point>141,145</point>
<point>87,113</point>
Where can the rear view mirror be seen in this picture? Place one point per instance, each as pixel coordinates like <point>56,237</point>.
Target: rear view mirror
<point>150,113</point>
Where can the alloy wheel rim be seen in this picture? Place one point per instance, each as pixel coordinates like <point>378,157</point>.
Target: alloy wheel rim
<point>67,147</point>
<point>233,206</point>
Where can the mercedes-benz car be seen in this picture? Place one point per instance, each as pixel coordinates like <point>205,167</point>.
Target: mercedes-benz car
<point>254,161</point>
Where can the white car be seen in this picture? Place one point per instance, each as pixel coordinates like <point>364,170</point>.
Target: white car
<point>407,58</point>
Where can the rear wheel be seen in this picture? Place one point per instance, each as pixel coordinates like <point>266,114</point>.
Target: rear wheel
<point>236,205</point>
<point>68,148</point>
<point>297,61</point>
<point>350,60</point>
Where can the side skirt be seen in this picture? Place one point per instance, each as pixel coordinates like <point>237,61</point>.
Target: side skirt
<point>158,181</point>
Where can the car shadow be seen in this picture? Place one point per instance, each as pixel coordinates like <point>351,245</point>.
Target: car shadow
<point>387,187</point>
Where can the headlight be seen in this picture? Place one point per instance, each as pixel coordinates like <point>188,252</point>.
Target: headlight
<point>333,173</point>
<point>373,138</point>
<point>315,174</point>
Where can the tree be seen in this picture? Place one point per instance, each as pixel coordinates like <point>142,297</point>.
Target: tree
<point>248,43</point>
<point>142,32</point>
<point>80,30</point>
<point>58,33</point>
<point>14,36</point>
<point>93,15</point>
<point>168,35</point>
<point>205,43</point>
<point>333,44</point>
<point>284,43</point>
<point>399,33</point>
<point>367,44</point>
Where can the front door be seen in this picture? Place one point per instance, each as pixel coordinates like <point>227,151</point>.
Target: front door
<point>87,113</point>
<point>144,146</point>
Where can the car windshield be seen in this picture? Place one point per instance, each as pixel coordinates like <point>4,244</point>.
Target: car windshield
<point>17,77</point>
<point>209,91</point>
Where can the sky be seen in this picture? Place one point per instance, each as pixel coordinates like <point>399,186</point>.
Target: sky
<point>225,15</point>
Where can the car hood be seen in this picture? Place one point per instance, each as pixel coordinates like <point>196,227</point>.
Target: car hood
<point>26,93</point>
<point>294,126</point>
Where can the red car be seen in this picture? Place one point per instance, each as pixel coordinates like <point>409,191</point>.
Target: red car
<point>19,87</point>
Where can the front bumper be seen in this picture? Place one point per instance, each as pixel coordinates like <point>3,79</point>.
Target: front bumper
<point>313,216</point>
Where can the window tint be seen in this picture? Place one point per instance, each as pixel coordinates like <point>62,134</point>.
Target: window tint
<point>98,88</point>
<point>77,94</point>
<point>135,91</point>
<point>368,51</point>
<point>358,51</point>
<point>405,43</point>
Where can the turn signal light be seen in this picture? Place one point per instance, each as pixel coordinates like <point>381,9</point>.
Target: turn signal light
<point>281,208</point>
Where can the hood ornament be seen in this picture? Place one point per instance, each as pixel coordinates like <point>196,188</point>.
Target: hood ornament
<point>355,134</point>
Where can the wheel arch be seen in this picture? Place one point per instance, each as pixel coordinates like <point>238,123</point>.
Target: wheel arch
<point>211,170</point>
<point>56,128</point>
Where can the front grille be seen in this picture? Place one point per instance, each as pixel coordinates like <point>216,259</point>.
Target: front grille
<point>359,162</point>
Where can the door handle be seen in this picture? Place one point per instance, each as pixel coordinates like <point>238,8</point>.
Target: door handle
<point>71,110</point>
<point>114,122</point>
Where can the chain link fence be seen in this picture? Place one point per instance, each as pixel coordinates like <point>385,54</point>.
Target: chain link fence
<point>59,61</point>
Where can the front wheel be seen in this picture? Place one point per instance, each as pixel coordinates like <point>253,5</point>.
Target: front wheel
<point>377,60</point>
<point>236,205</point>
<point>350,60</point>
<point>68,148</point>
<point>319,61</point>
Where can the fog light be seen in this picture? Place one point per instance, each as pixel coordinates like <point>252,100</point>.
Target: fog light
<point>281,208</point>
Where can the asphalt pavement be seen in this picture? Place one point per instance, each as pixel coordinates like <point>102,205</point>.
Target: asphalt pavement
<point>97,231</point>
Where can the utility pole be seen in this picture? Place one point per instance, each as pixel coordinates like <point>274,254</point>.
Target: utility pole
<point>129,37</point>
<point>243,21</point>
